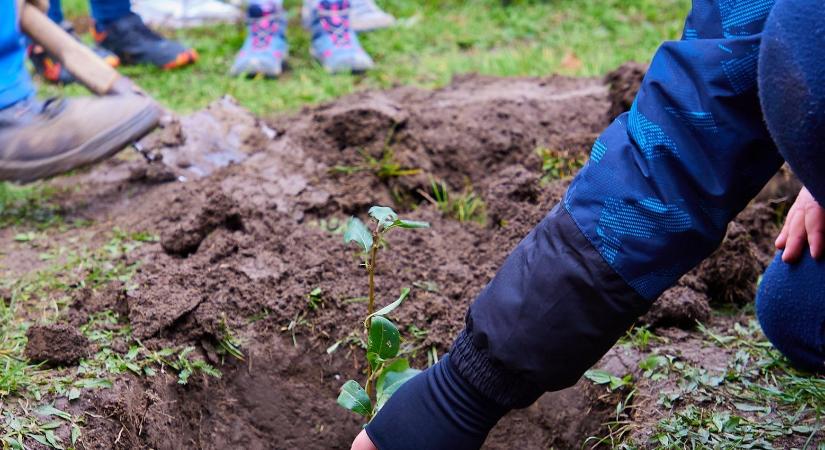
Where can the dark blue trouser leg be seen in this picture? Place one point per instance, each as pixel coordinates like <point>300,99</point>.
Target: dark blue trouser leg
<point>56,11</point>
<point>15,84</point>
<point>107,11</point>
<point>791,309</point>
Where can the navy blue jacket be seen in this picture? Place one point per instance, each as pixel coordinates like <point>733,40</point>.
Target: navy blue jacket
<point>655,198</point>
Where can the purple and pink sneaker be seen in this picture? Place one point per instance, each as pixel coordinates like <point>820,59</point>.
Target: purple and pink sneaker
<point>334,43</point>
<point>265,48</point>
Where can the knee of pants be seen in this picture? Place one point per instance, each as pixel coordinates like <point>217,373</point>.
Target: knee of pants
<point>790,306</point>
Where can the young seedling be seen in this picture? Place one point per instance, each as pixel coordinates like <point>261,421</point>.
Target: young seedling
<point>384,368</point>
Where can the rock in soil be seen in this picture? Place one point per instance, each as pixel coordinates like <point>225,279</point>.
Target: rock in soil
<point>56,345</point>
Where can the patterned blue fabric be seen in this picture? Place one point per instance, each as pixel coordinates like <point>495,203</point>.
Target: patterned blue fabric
<point>670,174</point>
<point>15,84</point>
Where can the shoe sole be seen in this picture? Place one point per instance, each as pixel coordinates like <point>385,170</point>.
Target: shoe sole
<point>100,147</point>
<point>333,70</point>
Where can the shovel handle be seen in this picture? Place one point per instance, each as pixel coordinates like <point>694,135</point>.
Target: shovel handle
<point>89,69</point>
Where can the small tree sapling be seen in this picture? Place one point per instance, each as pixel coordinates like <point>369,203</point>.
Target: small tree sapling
<point>384,368</point>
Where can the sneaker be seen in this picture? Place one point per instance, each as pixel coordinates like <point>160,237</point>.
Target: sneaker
<point>42,139</point>
<point>52,70</point>
<point>334,44</point>
<point>367,16</point>
<point>265,47</point>
<point>131,40</point>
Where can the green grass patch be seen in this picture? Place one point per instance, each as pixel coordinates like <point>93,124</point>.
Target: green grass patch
<point>29,204</point>
<point>433,41</point>
<point>41,295</point>
<point>757,400</point>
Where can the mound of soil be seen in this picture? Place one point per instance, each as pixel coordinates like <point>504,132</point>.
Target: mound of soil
<point>624,83</point>
<point>56,345</point>
<point>241,249</point>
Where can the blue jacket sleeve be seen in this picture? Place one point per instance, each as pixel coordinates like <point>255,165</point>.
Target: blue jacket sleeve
<point>662,183</point>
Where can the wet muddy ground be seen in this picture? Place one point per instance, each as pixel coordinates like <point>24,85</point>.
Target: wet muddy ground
<point>242,246</point>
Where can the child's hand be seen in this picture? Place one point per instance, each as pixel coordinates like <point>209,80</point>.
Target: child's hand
<point>363,442</point>
<point>805,224</point>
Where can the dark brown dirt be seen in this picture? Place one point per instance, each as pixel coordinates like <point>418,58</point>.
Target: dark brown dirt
<point>241,248</point>
<point>624,83</point>
<point>56,345</point>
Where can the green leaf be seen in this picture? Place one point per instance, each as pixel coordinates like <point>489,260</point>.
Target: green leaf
<point>357,232</point>
<point>384,338</point>
<point>390,382</point>
<point>73,394</point>
<point>51,425</point>
<point>410,224</point>
<point>90,383</point>
<point>25,237</point>
<point>391,307</point>
<point>374,360</point>
<point>13,443</point>
<point>598,376</point>
<point>49,410</point>
<point>54,441</point>
<point>383,215</point>
<point>39,438</point>
<point>75,434</point>
<point>354,398</point>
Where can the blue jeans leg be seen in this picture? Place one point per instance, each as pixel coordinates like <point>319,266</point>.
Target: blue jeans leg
<point>791,309</point>
<point>15,83</point>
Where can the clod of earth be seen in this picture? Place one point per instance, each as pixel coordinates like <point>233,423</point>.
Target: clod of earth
<point>56,345</point>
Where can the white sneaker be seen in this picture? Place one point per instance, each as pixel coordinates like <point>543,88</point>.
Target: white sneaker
<point>367,16</point>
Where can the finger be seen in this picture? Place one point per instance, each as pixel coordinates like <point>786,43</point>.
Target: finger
<point>815,227</point>
<point>782,239</point>
<point>796,239</point>
<point>363,442</point>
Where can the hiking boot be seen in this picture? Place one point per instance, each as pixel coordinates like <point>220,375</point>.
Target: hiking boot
<point>265,47</point>
<point>131,40</point>
<point>42,139</point>
<point>367,16</point>
<point>334,44</point>
<point>52,70</point>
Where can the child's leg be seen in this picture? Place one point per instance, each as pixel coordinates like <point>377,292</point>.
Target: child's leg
<point>15,84</point>
<point>265,48</point>
<point>334,43</point>
<point>107,11</point>
<point>791,309</point>
<point>123,33</point>
<point>55,11</point>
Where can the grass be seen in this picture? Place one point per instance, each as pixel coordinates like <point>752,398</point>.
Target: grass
<point>757,400</point>
<point>433,41</point>
<point>28,204</point>
<point>26,390</point>
<point>464,206</point>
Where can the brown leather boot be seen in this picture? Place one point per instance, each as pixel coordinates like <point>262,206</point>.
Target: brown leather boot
<point>39,140</point>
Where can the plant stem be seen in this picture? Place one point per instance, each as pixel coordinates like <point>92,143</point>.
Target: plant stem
<point>376,241</point>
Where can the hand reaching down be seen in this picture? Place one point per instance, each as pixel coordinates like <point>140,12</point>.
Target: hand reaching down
<point>805,225</point>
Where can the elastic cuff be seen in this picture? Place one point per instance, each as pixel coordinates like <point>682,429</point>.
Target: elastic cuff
<point>507,389</point>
